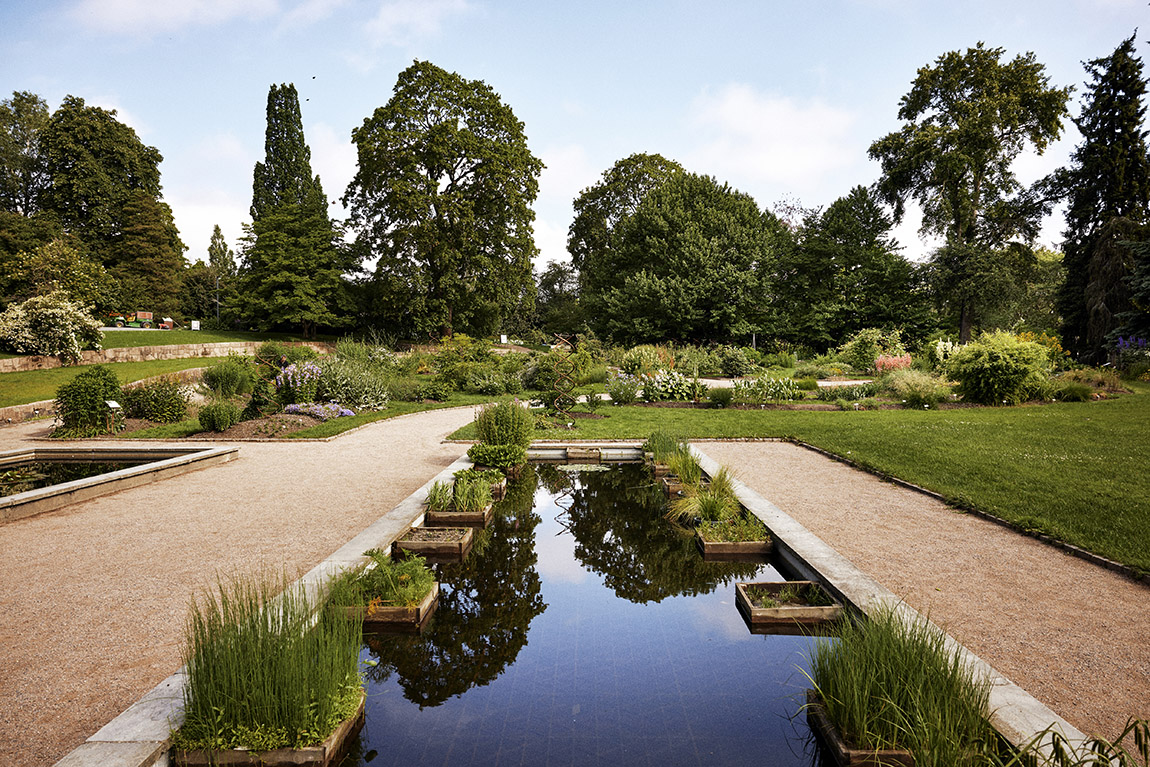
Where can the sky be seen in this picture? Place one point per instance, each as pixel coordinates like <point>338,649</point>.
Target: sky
<point>779,99</point>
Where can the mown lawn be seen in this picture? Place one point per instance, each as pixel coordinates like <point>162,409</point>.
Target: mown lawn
<point>118,339</point>
<point>36,385</point>
<point>1077,471</point>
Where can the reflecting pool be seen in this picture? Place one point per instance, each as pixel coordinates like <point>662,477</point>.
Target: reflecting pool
<point>584,629</point>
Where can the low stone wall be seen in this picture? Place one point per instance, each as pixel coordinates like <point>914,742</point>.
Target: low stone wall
<point>143,353</point>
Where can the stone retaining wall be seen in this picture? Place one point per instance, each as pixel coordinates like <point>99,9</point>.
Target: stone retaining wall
<point>143,353</point>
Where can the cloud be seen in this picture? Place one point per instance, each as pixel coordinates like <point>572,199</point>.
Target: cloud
<point>149,17</point>
<point>397,22</point>
<point>744,135</point>
<point>569,171</point>
<point>333,159</point>
<point>311,11</point>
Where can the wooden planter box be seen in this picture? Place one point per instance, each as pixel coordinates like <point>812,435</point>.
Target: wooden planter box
<point>795,619</point>
<point>844,755</point>
<point>583,454</point>
<point>499,489</point>
<point>390,619</point>
<point>328,753</point>
<point>661,469</point>
<point>733,551</point>
<point>452,518</point>
<point>453,550</point>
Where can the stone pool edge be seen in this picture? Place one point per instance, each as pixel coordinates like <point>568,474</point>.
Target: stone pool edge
<point>138,737</point>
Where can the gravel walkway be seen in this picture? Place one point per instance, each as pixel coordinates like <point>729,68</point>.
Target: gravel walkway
<point>93,598</point>
<point>1072,634</point>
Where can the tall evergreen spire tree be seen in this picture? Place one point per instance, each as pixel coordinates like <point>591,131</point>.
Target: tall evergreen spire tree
<point>285,177</point>
<point>1108,186</point>
<point>293,259</point>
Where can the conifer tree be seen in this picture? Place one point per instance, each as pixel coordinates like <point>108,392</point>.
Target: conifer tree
<point>1108,186</point>
<point>293,262</point>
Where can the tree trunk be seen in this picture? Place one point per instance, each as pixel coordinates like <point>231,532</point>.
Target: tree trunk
<point>964,323</point>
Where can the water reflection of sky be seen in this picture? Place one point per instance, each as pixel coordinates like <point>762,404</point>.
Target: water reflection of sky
<point>601,679</point>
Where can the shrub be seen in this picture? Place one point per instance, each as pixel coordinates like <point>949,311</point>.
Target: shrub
<point>1058,357</point>
<point>352,383</point>
<point>998,369</point>
<point>855,392</point>
<point>666,385</point>
<point>227,378</point>
<point>721,396</point>
<point>866,345</point>
<point>499,456</point>
<point>1096,378</point>
<point>914,388</point>
<point>779,360</point>
<point>432,390</point>
<point>276,355</point>
<point>594,401</point>
<point>735,362</point>
<point>1133,357</point>
<point>646,359</point>
<point>504,423</point>
<point>695,360</point>
<point>765,389</point>
<point>623,388</point>
<point>51,325</point>
<point>163,400</point>
<point>807,384</point>
<point>298,382</point>
<point>219,416</point>
<point>80,403</point>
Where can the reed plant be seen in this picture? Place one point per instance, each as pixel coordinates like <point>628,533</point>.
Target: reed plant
<point>684,465</point>
<point>887,683</point>
<point>662,445</point>
<point>703,504</point>
<point>262,671</point>
<point>439,496</point>
<point>739,528</point>
<point>472,496</point>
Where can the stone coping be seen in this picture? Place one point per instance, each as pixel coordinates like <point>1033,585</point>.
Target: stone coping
<point>164,462</point>
<point>142,353</point>
<point>139,736</point>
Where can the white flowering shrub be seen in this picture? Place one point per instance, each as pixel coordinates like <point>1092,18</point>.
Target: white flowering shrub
<point>51,325</point>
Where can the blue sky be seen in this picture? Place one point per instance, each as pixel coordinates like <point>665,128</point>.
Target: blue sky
<point>780,99</point>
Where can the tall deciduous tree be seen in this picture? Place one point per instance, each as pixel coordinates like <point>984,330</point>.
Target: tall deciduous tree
<point>846,274</point>
<point>1108,181</point>
<point>293,263</point>
<point>442,197</point>
<point>600,209</point>
<point>967,118</point>
<point>692,263</point>
<point>23,172</point>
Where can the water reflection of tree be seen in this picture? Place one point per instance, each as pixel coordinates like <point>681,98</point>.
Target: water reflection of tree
<point>617,520</point>
<point>486,605</point>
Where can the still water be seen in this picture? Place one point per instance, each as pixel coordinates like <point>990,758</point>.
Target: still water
<point>584,629</point>
<point>23,476</point>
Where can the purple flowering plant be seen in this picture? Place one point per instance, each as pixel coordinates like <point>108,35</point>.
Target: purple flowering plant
<point>298,382</point>
<point>324,411</point>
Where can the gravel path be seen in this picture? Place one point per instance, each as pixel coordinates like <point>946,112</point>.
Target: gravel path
<point>1072,634</point>
<point>93,597</point>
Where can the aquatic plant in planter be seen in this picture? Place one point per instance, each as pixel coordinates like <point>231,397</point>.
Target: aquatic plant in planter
<point>470,505</point>
<point>262,677</point>
<point>736,538</point>
<point>436,544</point>
<point>887,683</point>
<point>785,606</point>
<point>387,594</point>
<point>506,457</point>
<point>496,479</point>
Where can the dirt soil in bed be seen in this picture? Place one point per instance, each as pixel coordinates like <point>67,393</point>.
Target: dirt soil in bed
<point>93,597</point>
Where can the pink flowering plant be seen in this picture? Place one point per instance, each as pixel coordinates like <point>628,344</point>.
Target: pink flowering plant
<point>885,363</point>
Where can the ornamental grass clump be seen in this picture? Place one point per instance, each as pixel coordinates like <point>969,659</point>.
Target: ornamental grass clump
<point>439,497</point>
<point>471,495</point>
<point>386,582</point>
<point>886,683</point>
<point>261,673</point>
<point>662,445</point>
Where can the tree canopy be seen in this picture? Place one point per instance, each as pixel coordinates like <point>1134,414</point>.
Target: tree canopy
<point>692,263</point>
<point>1108,191</point>
<point>293,260</point>
<point>442,198</point>
<point>23,172</point>
<point>966,119</point>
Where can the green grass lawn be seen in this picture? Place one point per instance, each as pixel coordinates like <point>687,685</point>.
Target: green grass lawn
<point>118,339</point>
<point>1077,471</point>
<point>36,385</point>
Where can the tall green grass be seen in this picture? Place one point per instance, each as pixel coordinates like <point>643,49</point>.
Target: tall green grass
<point>886,683</point>
<point>260,674</point>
